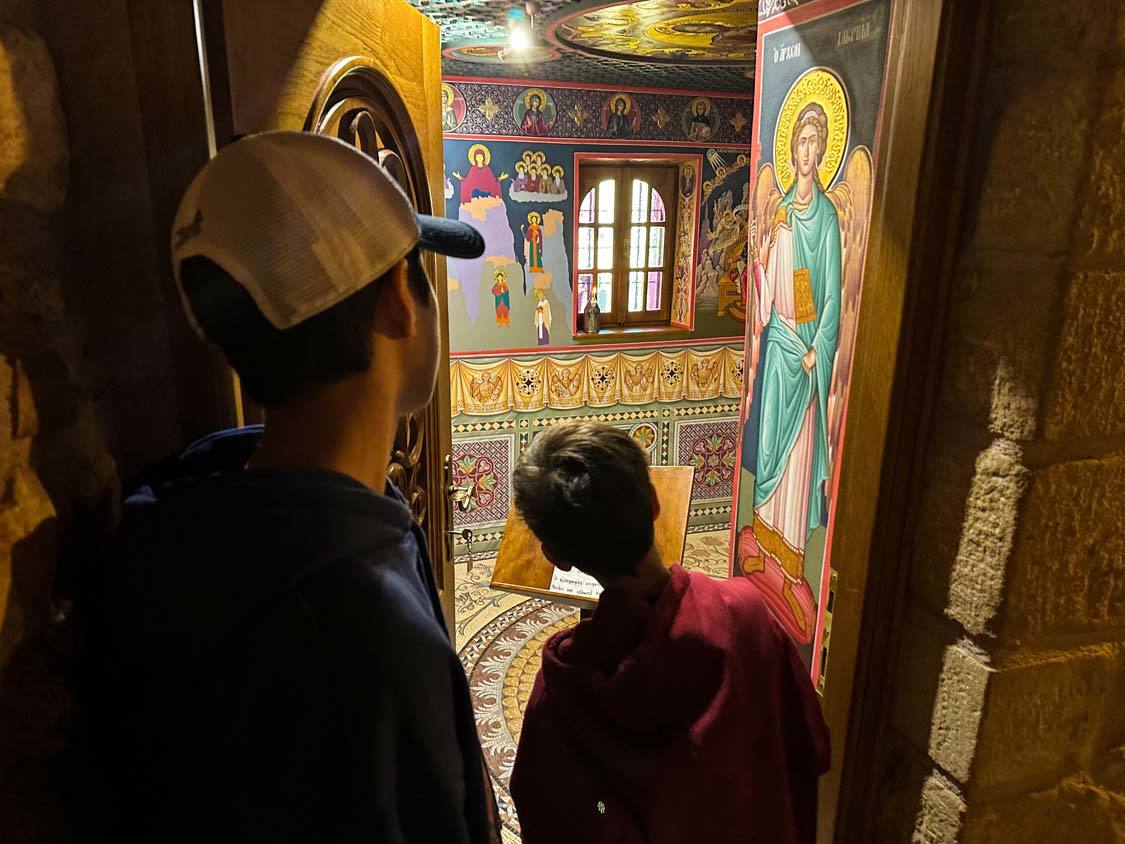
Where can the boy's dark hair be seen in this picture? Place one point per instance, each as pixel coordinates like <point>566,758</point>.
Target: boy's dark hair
<point>584,490</point>
<point>273,364</point>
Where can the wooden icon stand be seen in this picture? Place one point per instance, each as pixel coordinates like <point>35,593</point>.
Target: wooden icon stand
<point>522,568</point>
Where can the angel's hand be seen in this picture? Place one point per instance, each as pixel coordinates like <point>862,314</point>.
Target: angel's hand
<point>503,176</point>
<point>456,175</point>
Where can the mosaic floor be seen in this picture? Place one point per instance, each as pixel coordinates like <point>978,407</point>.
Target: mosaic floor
<point>499,639</point>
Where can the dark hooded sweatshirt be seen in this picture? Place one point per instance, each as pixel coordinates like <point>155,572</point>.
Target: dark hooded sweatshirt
<point>686,720</point>
<point>269,664</point>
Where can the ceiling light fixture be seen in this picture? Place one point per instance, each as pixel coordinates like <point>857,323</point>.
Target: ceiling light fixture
<point>521,22</point>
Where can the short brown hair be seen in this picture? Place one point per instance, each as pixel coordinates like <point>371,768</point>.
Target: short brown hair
<point>584,490</point>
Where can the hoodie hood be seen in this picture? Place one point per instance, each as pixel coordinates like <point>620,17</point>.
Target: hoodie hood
<point>637,671</point>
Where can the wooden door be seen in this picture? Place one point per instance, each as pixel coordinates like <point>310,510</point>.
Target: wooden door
<point>368,72</point>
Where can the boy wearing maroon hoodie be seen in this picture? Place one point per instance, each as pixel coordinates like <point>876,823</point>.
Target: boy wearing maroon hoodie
<point>680,712</point>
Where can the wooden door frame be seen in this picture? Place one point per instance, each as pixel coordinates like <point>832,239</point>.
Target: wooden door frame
<point>925,143</point>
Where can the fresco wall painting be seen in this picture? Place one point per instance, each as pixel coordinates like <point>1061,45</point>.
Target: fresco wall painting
<point>820,82</point>
<point>518,362</point>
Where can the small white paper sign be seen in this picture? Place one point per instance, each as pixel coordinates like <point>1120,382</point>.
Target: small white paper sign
<point>575,583</point>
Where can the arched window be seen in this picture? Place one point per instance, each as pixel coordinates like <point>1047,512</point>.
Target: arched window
<point>624,246</point>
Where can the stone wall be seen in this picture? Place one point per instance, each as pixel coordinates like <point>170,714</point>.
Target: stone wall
<point>85,380</point>
<point>1009,720</point>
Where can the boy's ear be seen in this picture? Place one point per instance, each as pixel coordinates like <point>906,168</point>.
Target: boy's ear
<point>655,504</point>
<point>555,559</point>
<point>397,315</point>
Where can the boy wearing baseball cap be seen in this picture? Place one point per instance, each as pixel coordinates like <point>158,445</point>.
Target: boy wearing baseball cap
<point>269,660</point>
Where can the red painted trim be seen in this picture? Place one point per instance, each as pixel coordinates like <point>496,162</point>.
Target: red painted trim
<point>593,86</point>
<point>587,141</point>
<point>595,348</point>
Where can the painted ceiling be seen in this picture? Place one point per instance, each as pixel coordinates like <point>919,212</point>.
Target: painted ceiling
<point>691,44</point>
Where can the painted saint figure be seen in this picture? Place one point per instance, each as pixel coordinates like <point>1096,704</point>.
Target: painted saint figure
<point>542,319</point>
<point>479,182</point>
<point>797,275</point>
<point>619,124</point>
<point>699,127</point>
<point>503,299</point>
<point>533,242</point>
<point>534,124</point>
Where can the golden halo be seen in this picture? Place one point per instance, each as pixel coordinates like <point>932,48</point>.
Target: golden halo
<point>474,149</point>
<point>534,218</point>
<point>613,102</point>
<point>543,97</point>
<point>446,88</point>
<point>816,85</point>
<point>538,157</point>
<point>705,102</point>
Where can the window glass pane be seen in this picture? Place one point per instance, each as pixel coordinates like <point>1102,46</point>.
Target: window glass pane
<point>636,292</point>
<point>655,285</point>
<point>586,210</point>
<point>605,291</point>
<point>585,248</point>
<point>605,248</point>
<point>637,247</point>
<point>606,192</point>
<point>658,215</point>
<point>656,246</point>
<point>638,209</point>
<point>584,282</point>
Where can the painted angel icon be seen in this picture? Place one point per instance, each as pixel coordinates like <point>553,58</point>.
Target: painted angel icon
<point>808,244</point>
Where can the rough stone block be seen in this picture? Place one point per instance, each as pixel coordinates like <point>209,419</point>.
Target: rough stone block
<point>33,143</point>
<point>1100,235</point>
<point>1034,140</point>
<point>940,813</point>
<point>1068,570</point>
<point>34,314</point>
<point>1044,714</point>
<point>997,359</point>
<point>1087,391</point>
<point>1033,32</point>
<point>920,659</point>
<point>1076,810</point>
<point>940,693</point>
<point>28,548</point>
<point>950,466</point>
<point>991,517</point>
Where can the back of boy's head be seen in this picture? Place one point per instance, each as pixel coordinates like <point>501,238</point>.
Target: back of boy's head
<point>273,365</point>
<point>584,490</point>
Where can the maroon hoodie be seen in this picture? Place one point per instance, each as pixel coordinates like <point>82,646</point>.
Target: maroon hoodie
<point>688,720</point>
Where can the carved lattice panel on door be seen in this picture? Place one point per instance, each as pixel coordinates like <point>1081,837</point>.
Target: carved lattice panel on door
<point>357,104</point>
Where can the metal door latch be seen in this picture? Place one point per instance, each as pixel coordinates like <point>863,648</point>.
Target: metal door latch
<point>467,537</point>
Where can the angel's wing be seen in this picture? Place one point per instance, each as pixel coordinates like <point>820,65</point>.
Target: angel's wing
<point>852,198</point>
<point>763,205</point>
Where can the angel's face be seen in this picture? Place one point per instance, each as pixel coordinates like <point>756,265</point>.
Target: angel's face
<point>808,151</point>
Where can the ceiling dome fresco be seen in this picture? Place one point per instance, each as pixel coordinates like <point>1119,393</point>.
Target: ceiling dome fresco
<point>706,32</point>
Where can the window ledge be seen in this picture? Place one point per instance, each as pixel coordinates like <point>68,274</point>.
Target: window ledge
<point>647,332</point>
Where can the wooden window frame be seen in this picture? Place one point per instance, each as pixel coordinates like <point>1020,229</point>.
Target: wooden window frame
<point>661,173</point>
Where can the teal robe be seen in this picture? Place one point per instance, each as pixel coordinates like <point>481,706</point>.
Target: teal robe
<point>786,388</point>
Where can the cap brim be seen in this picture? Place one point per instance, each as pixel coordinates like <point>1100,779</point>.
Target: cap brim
<point>450,237</point>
